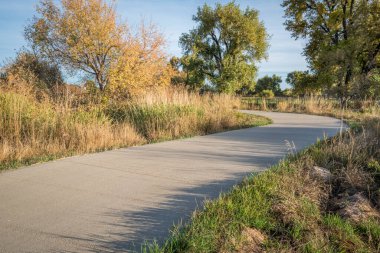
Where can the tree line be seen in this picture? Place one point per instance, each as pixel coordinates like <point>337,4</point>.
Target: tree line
<point>219,55</point>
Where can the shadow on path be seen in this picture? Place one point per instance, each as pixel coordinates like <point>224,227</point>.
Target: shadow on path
<point>153,223</point>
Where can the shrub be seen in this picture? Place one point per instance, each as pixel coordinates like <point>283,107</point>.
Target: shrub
<point>38,73</point>
<point>267,94</point>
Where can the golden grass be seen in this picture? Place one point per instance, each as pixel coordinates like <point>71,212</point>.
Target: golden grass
<point>38,130</point>
<point>29,129</point>
<point>175,113</point>
<point>355,109</point>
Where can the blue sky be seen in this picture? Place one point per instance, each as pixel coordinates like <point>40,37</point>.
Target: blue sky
<point>173,18</point>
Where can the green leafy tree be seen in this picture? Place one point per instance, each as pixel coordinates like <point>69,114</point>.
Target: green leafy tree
<point>269,83</point>
<point>266,94</point>
<point>224,47</point>
<point>246,90</point>
<point>288,92</point>
<point>189,72</point>
<point>303,83</point>
<point>343,40</point>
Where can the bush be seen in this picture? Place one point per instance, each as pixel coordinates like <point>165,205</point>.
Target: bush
<point>267,94</point>
<point>28,66</point>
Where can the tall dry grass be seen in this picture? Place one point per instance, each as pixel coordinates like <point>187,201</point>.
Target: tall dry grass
<point>354,109</point>
<point>177,113</point>
<point>34,130</point>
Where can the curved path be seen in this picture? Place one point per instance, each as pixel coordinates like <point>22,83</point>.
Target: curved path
<point>112,201</point>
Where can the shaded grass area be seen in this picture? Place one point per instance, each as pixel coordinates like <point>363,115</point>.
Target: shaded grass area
<point>291,208</point>
<point>33,131</point>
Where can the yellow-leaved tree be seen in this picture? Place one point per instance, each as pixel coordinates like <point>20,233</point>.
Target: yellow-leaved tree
<point>81,35</point>
<point>143,65</point>
<point>84,35</point>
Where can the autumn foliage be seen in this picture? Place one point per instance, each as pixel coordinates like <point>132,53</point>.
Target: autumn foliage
<point>142,65</point>
<point>86,37</point>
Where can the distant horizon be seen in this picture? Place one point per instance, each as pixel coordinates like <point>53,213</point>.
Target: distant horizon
<point>173,19</point>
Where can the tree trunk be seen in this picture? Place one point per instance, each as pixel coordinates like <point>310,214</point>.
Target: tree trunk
<point>99,80</point>
<point>101,87</point>
<point>344,88</point>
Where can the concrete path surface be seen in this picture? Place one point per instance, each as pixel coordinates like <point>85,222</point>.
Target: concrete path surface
<point>113,201</point>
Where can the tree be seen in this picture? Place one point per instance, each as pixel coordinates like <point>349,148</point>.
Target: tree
<point>80,35</point>
<point>142,64</point>
<point>246,90</point>
<point>302,82</point>
<point>288,92</point>
<point>343,39</point>
<point>269,83</point>
<point>188,72</point>
<point>224,47</point>
<point>266,94</point>
<point>178,77</point>
<point>27,64</point>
